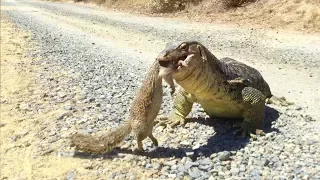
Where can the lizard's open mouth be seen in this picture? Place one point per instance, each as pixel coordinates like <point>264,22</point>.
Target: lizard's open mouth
<point>174,64</point>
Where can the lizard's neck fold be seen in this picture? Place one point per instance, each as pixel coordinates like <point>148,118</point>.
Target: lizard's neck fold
<point>201,79</point>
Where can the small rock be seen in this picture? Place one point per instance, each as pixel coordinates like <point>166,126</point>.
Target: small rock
<point>206,162</point>
<point>255,172</point>
<point>189,164</point>
<point>64,128</point>
<point>205,167</point>
<point>156,166</point>
<point>70,175</point>
<point>194,172</point>
<point>265,162</point>
<point>170,163</point>
<point>188,151</point>
<point>235,171</point>
<point>47,151</point>
<point>181,168</point>
<point>212,156</point>
<point>221,174</point>
<point>227,173</point>
<point>2,124</point>
<point>14,138</point>
<point>181,174</point>
<point>3,101</point>
<point>185,159</point>
<point>204,175</point>
<point>148,166</point>
<point>62,95</point>
<point>132,177</point>
<point>143,163</point>
<point>174,167</point>
<point>88,165</point>
<point>165,168</point>
<point>185,143</point>
<point>52,133</point>
<point>63,115</point>
<point>197,146</point>
<point>214,172</point>
<point>65,153</point>
<point>190,154</point>
<point>242,168</point>
<point>172,175</point>
<point>68,107</point>
<point>308,118</point>
<point>100,117</point>
<point>224,156</point>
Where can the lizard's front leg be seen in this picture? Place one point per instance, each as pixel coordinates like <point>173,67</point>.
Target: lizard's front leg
<point>182,106</point>
<point>254,109</point>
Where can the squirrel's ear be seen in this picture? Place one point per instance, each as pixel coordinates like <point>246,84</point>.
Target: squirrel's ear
<point>202,52</point>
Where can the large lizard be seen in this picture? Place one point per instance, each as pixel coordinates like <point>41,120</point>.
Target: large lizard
<point>144,109</point>
<point>224,88</point>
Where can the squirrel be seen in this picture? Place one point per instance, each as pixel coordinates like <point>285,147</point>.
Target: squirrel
<point>144,109</point>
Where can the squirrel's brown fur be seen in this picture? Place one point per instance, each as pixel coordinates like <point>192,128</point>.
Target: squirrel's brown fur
<point>144,110</point>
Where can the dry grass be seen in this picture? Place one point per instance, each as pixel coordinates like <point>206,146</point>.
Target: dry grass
<point>293,14</point>
<point>278,14</point>
<point>166,6</point>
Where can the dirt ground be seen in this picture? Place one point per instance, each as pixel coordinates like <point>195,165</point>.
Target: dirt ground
<point>21,126</point>
<point>25,114</point>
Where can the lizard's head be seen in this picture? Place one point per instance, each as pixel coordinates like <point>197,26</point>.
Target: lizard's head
<point>179,57</point>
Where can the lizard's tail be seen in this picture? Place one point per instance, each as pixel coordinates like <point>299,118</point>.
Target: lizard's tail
<point>100,144</point>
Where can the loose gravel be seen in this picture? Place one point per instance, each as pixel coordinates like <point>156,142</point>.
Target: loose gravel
<point>97,80</point>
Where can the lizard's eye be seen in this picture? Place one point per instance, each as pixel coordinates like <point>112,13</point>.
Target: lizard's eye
<point>184,46</point>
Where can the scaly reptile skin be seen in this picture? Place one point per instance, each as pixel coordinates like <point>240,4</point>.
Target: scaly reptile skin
<point>224,88</point>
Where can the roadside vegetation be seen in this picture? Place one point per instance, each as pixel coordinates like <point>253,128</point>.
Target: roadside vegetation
<point>281,14</point>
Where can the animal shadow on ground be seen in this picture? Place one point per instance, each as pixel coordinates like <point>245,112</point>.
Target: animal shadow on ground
<point>223,140</point>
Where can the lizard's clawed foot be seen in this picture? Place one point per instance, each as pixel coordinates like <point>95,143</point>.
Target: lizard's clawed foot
<point>246,131</point>
<point>171,122</point>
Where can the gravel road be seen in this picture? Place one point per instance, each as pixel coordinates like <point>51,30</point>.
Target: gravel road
<point>93,61</point>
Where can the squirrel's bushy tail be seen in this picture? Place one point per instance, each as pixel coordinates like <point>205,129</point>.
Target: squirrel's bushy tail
<point>100,144</point>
